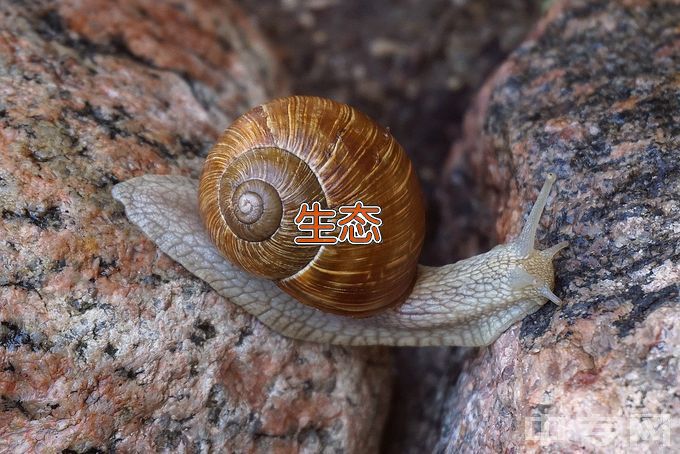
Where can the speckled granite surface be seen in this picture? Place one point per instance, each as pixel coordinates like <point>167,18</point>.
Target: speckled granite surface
<point>595,97</point>
<point>106,344</point>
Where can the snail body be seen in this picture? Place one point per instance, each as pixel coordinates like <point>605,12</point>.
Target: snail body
<point>304,150</point>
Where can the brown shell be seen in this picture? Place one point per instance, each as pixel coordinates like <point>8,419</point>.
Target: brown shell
<point>313,149</point>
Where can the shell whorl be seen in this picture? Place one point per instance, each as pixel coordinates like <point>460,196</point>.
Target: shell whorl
<point>307,149</point>
<point>279,181</point>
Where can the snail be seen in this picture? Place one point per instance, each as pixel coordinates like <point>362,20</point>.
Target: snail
<point>238,229</point>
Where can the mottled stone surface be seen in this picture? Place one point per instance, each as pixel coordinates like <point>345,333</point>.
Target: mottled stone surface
<point>595,97</point>
<point>106,344</point>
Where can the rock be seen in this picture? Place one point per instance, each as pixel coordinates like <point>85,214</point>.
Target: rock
<point>106,344</point>
<point>592,96</point>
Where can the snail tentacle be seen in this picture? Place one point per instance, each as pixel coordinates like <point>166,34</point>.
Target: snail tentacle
<point>467,303</point>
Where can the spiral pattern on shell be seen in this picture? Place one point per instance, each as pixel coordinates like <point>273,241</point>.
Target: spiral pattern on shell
<point>307,149</point>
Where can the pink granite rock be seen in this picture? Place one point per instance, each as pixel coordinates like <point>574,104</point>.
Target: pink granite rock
<point>105,343</point>
<point>593,96</point>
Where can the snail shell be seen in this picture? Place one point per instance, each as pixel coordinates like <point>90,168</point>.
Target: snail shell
<point>302,150</point>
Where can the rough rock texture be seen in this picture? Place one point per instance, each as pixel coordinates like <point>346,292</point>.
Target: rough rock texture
<point>595,97</point>
<point>106,344</point>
